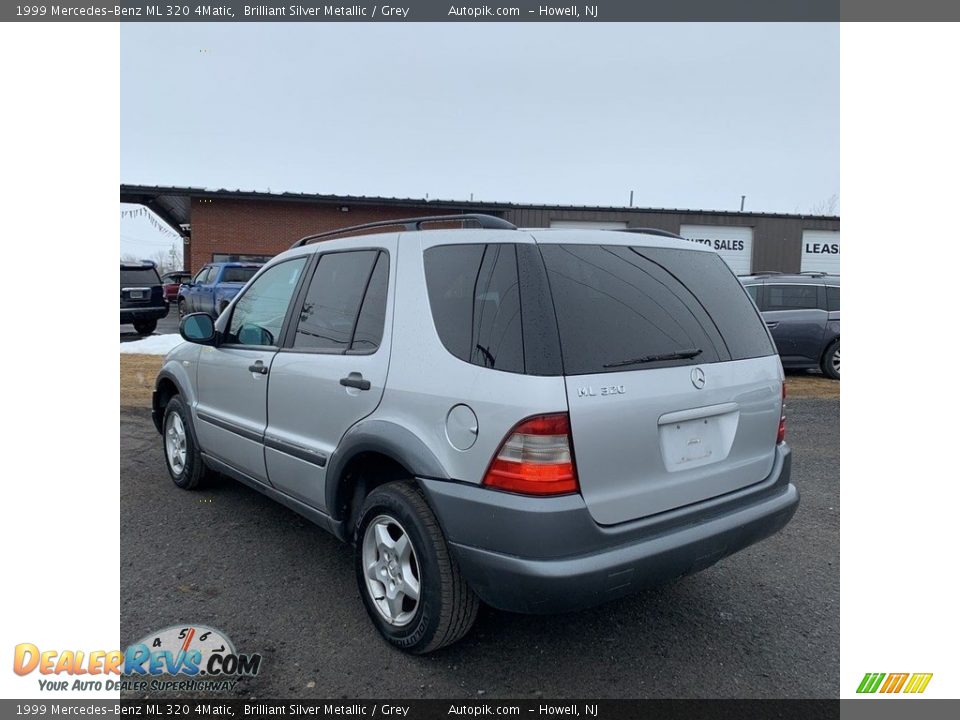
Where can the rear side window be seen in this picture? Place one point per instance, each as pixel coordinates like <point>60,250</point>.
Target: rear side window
<point>754,292</point>
<point>237,274</point>
<point>475,301</point>
<point>616,305</point>
<point>138,277</point>
<point>332,303</point>
<point>790,297</point>
<point>833,298</point>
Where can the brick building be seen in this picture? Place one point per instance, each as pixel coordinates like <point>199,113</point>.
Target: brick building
<point>238,225</point>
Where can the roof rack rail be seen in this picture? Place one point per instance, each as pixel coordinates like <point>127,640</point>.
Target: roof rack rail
<point>814,273</point>
<point>652,231</point>
<point>486,222</point>
<point>765,272</point>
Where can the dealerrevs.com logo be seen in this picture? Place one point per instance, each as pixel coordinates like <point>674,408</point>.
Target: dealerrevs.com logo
<point>197,656</point>
<point>910,683</point>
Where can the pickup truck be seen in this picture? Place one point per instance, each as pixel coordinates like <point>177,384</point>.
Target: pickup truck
<point>212,289</point>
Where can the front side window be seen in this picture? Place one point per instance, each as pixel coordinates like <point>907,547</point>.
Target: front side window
<point>258,315</point>
<point>201,276</point>
<point>330,309</point>
<point>754,292</point>
<point>790,297</point>
<point>475,301</point>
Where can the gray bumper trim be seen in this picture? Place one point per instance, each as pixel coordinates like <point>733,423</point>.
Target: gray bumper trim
<point>548,555</point>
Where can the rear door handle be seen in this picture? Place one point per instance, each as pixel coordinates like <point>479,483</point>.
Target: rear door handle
<point>355,380</point>
<point>258,367</point>
<point>772,324</point>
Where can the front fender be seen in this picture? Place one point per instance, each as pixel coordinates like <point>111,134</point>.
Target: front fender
<point>180,370</point>
<point>386,438</point>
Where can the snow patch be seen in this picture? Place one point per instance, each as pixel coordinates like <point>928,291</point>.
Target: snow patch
<point>152,345</point>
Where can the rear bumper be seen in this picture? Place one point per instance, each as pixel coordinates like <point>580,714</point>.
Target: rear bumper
<point>542,555</point>
<point>153,312</point>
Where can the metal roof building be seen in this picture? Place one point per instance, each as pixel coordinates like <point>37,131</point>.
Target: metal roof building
<point>239,224</point>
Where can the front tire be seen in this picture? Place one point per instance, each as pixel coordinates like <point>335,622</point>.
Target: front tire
<point>410,583</point>
<point>182,308</point>
<point>830,364</point>
<point>180,449</point>
<point>145,327</point>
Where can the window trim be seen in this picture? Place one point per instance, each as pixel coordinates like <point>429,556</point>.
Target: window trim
<point>289,335</point>
<point>286,317</point>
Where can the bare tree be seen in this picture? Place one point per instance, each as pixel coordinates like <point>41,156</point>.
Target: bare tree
<point>168,260</point>
<point>826,207</point>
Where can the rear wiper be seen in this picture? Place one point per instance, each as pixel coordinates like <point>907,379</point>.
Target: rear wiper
<point>678,355</point>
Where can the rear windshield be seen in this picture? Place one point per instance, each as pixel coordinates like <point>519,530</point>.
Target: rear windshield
<point>138,277</point>
<point>238,274</point>
<point>617,304</point>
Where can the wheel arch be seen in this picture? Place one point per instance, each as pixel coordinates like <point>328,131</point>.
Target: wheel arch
<point>370,454</point>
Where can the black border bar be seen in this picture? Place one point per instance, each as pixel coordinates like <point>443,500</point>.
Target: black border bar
<point>591,11</point>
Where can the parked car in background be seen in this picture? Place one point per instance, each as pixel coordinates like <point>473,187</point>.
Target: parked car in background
<point>212,289</point>
<point>541,420</point>
<point>171,284</point>
<point>141,296</point>
<point>802,312</point>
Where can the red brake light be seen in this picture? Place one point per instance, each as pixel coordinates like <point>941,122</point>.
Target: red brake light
<point>536,458</point>
<point>782,430</point>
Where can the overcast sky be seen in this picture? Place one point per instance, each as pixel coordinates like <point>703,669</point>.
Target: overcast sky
<point>686,115</point>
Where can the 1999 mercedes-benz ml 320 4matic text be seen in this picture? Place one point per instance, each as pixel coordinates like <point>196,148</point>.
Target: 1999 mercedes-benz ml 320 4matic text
<point>540,420</point>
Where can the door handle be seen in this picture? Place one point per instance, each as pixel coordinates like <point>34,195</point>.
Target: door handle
<point>355,380</point>
<point>772,324</point>
<point>258,367</point>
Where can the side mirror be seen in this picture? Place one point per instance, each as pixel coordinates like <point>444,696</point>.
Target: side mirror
<point>198,328</point>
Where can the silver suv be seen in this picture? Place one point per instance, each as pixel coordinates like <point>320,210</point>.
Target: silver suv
<point>541,420</point>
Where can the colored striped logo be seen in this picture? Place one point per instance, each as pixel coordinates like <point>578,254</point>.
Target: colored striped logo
<point>894,682</point>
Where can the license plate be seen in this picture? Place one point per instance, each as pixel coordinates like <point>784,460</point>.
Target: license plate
<point>692,443</point>
<point>136,294</point>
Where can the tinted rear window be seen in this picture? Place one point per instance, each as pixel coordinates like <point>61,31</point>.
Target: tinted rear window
<point>475,300</point>
<point>333,300</point>
<point>618,303</point>
<point>238,274</point>
<point>790,297</point>
<point>833,298</point>
<point>139,277</point>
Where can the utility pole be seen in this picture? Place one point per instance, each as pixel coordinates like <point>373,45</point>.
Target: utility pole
<point>743,199</point>
<point>631,198</point>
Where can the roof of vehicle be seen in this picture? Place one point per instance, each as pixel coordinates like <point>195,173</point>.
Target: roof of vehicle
<point>227,263</point>
<point>137,264</point>
<point>494,229</point>
<point>794,278</point>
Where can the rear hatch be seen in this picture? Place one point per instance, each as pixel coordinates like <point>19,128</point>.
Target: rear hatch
<point>673,384</point>
<point>140,287</point>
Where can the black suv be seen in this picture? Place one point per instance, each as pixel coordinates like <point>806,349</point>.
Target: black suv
<point>141,296</point>
<point>802,312</point>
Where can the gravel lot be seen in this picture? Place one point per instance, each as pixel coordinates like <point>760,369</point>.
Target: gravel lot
<point>763,623</point>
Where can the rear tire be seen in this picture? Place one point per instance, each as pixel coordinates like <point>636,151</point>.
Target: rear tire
<point>180,450</point>
<point>145,327</point>
<point>400,551</point>
<point>830,364</point>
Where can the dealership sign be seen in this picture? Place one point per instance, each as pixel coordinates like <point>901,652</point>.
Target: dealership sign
<point>820,251</point>
<point>733,244</point>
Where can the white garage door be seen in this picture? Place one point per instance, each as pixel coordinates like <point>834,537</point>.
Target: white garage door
<point>588,225</point>
<point>820,252</point>
<point>733,244</point>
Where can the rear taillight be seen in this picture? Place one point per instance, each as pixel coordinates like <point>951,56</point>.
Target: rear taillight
<point>536,458</point>
<point>782,430</point>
